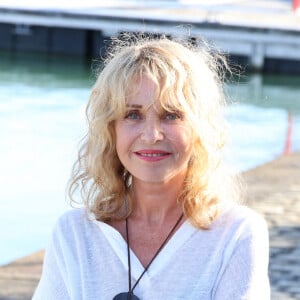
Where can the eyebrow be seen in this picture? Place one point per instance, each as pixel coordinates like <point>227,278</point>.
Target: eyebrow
<point>134,105</point>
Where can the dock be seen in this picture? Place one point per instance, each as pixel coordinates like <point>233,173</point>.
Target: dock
<point>273,190</point>
<point>263,35</point>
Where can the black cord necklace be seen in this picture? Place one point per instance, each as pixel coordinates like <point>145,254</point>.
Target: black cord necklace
<point>129,295</point>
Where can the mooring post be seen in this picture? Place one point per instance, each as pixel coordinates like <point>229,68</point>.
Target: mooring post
<point>296,6</point>
<point>288,138</point>
<point>257,57</point>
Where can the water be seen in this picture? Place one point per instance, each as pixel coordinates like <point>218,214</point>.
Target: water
<point>263,109</point>
<point>42,104</point>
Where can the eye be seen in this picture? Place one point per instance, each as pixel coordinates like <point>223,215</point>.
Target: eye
<point>171,116</point>
<point>133,115</point>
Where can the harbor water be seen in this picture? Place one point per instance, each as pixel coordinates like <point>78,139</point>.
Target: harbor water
<point>42,106</point>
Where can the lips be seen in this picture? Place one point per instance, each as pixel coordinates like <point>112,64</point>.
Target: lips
<point>152,155</point>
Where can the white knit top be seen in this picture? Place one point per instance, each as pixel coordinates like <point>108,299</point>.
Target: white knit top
<point>87,259</point>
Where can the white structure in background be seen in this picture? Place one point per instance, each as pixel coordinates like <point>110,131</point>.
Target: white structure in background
<point>239,28</point>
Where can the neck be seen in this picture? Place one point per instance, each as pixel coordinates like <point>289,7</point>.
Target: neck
<point>154,203</point>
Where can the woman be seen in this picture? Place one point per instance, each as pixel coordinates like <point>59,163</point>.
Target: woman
<point>161,219</point>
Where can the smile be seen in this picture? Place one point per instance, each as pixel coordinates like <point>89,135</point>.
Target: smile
<point>152,155</point>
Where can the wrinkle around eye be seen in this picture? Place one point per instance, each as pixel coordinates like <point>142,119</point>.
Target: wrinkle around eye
<point>172,116</point>
<point>133,115</point>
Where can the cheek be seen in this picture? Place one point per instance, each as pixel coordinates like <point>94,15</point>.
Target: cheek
<point>120,144</point>
<point>182,138</point>
<point>124,137</point>
<point>119,137</point>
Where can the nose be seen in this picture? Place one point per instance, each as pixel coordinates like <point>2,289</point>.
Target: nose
<point>152,131</point>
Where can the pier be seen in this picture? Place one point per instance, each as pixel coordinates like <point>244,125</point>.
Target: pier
<point>263,35</point>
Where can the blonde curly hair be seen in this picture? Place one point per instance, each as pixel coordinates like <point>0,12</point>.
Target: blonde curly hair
<point>189,78</point>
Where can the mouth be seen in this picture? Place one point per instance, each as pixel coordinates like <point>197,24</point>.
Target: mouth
<point>152,155</point>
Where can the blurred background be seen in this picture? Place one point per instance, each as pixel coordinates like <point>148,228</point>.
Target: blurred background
<point>48,52</point>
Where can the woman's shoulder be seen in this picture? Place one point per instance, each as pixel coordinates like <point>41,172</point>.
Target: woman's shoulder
<point>242,219</point>
<point>72,214</point>
<point>73,225</point>
<point>73,218</point>
<point>240,213</point>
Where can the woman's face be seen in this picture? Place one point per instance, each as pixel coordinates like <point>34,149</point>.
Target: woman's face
<point>154,145</point>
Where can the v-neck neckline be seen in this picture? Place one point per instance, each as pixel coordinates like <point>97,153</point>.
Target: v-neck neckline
<point>119,245</point>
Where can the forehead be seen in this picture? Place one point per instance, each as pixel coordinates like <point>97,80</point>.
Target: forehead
<point>142,92</point>
<point>145,92</point>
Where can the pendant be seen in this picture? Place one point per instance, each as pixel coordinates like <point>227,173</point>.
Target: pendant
<point>126,296</point>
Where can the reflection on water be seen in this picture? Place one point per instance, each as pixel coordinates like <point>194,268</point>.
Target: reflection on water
<point>268,91</point>
<point>265,118</point>
<point>42,102</point>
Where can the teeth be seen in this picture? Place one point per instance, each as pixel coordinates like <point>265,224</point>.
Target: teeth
<point>152,154</point>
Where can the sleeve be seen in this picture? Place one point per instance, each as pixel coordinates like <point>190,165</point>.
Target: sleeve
<point>246,274</point>
<point>53,282</point>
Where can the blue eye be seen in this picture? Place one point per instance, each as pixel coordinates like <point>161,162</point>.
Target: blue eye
<point>133,115</point>
<point>171,116</point>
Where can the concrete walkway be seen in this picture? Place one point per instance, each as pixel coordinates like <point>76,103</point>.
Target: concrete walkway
<point>19,279</point>
<point>273,190</point>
